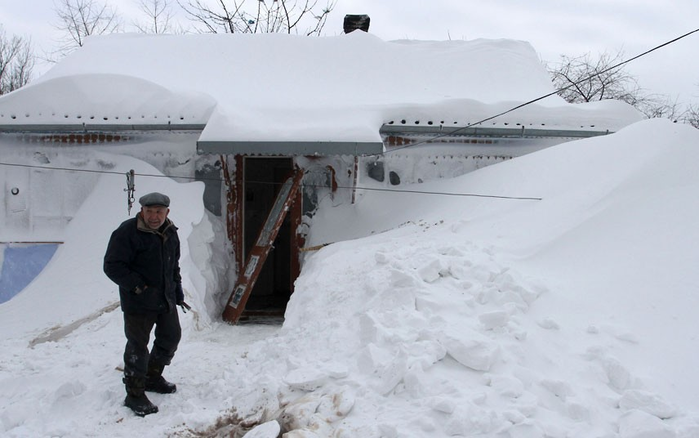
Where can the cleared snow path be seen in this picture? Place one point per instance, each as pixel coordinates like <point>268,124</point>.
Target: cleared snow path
<point>72,386</point>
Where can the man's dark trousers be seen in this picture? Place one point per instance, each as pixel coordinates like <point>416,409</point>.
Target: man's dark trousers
<point>137,328</point>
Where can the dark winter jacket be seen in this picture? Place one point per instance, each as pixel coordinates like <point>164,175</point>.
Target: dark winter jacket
<point>145,265</point>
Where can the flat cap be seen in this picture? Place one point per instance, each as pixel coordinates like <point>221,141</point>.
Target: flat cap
<point>154,198</point>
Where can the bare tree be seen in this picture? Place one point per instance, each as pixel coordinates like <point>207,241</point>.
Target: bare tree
<point>584,79</point>
<point>691,116</point>
<point>159,17</point>
<point>661,107</point>
<point>82,18</point>
<point>260,16</point>
<point>16,62</point>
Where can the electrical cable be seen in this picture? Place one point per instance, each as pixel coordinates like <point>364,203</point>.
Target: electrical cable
<point>189,178</point>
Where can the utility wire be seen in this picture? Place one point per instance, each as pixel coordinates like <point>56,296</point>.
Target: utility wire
<point>476,195</point>
<point>189,178</point>
<point>470,125</point>
<point>110,172</point>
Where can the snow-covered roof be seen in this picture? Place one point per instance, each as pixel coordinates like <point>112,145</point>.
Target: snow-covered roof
<point>277,88</point>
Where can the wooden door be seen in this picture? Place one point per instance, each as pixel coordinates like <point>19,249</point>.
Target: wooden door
<point>260,250</point>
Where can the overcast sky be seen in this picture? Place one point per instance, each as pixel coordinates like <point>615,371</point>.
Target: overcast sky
<point>553,27</point>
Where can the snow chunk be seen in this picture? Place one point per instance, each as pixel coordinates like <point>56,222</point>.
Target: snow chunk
<point>306,379</point>
<point>492,320</point>
<point>471,349</point>
<point>336,404</point>
<point>647,402</point>
<point>638,424</point>
<point>432,271</point>
<point>442,404</point>
<point>470,418</point>
<point>506,386</point>
<point>549,324</point>
<point>402,279</point>
<point>618,375</point>
<point>297,414</point>
<point>269,429</point>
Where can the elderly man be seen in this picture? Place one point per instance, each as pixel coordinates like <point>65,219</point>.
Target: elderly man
<point>143,259</point>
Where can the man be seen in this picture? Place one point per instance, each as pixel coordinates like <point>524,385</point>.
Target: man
<point>143,259</point>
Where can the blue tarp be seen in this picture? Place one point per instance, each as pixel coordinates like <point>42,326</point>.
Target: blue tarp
<point>21,264</point>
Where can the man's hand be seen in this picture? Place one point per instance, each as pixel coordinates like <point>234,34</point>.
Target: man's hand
<point>184,306</point>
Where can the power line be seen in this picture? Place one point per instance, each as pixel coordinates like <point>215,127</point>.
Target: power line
<point>189,178</point>
<point>110,172</point>
<point>470,125</point>
<point>476,195</point>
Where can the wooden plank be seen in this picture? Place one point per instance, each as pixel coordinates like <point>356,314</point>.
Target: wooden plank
<point>259,252</point>
<point>233,180</point>
<point>231,199</point>
<point>238,220</point>
<point>297,241</point>
<point>32,242</point>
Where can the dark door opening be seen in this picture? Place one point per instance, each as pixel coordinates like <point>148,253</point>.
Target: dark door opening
<point>263,179</point>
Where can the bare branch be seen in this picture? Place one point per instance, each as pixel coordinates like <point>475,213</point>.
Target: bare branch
<point>16,62</point>
<point>82,18</point>
<point>266,16</point>
<point>584,79</point>
<point>691,116</point>
<point>159,17</point>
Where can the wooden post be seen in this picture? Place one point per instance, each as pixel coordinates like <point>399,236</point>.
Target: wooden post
<point>234,207</point>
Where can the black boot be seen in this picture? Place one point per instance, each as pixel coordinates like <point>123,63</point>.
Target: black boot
<point>136,398</point>
<point>155,381</point>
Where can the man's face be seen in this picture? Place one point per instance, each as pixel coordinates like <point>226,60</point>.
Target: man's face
<point>154,216</point>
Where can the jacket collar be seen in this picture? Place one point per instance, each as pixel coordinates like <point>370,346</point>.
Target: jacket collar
<point>162,231</point>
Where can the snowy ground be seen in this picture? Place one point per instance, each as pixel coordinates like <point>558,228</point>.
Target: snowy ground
<point>572,316</point>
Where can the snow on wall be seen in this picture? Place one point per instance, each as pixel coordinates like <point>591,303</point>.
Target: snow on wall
<point>444,158</point>
<point>45,183</point>
<point>36,203</point>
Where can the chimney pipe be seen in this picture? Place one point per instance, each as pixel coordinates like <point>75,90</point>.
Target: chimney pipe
<point>354,22</point>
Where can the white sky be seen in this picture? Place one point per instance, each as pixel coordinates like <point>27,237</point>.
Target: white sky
<point>553,27</point>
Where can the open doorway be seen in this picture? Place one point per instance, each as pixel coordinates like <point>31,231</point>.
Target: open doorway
<point>272,290</point>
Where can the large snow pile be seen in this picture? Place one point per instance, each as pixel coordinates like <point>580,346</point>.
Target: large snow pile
<point>572,316</point>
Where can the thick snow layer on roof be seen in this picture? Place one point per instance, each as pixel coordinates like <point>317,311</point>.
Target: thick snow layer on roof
<point>276,87</point>
<point>105,99</point>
